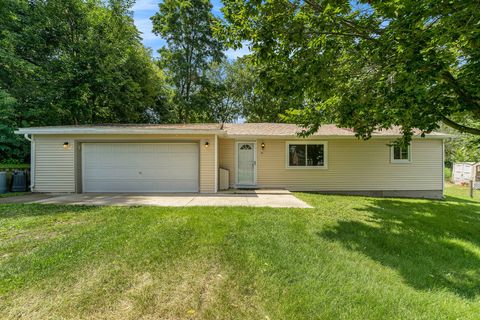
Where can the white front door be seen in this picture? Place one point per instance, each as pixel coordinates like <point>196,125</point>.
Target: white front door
<point>246,164</point>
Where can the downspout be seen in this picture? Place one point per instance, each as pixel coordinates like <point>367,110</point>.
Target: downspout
<point>443,168</point>
<point>32,160</point>
<point>216,163</point>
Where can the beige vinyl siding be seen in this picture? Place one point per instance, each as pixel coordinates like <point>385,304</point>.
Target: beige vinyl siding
<point>355,165</point>
<point>208,166</point>
<point>352,165</point>
<point>226,158</point>
<point>55,166</point>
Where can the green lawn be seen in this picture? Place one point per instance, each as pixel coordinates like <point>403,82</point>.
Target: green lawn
<point>349,258</point>
<point>461,191</point>
<point>12,194</point>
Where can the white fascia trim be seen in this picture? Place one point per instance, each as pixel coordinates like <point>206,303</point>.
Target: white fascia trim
<point>250,137</point>
<point>70,131</point>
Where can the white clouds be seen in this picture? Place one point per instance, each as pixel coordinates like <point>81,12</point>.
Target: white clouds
<point>145,5</point>
<point>144,25</point>
<point>238,53</point>
<point>142,11</point>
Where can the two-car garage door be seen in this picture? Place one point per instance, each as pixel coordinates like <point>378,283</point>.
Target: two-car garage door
<point>140,167</point>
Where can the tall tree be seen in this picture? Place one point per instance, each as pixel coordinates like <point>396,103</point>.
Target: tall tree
<point>234,93</point>
<point>257,104</point>
<point>223,100</point>
<point>188,28</point>
<point>367,64</point>
<point>76,62</point>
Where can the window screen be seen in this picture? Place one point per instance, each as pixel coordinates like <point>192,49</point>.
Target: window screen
<point>306,155</point>
<point>400,153</point>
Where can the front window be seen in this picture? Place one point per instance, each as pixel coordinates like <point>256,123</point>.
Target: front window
<point>306,154</point>
<point>400,154</point>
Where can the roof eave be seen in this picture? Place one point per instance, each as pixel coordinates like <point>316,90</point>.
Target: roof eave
<point>69,131</point>
<point>176,131</point>
<point>241,136</point>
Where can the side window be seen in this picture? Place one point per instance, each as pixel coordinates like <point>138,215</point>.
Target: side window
<point>400,154</point>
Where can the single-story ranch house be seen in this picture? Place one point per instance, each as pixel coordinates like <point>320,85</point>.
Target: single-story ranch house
<point>187,158</point>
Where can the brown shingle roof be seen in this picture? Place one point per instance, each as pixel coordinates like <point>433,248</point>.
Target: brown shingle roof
<point>286,129</point>
<point>230,129</point>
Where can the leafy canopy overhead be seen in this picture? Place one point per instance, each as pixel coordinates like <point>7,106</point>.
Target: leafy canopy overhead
<point>367,64</point>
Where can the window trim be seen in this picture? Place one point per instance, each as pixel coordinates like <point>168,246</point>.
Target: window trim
<point>325,154</point>
<point>404,161</point>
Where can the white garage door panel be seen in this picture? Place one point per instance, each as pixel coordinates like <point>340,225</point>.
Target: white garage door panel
<point>140,167</point>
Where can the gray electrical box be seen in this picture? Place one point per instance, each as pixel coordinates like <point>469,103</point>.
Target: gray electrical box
<point>223,179</point>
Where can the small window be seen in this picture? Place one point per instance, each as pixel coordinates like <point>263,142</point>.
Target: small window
<point>400,154</point>
<point>246,147</point>
<point>306,154</point>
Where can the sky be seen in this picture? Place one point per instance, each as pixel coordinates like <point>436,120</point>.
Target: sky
<point>144,9</point>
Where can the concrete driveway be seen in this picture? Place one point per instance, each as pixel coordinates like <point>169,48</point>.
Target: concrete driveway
<point>257,198</point>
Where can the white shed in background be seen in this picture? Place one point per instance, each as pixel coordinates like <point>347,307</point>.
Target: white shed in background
<point>463,172</point>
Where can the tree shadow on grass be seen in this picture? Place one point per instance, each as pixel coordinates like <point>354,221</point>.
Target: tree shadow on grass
<point>460,200</point>
<point>434,245</point>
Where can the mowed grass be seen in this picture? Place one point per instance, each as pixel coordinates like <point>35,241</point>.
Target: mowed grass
<point>461,191</point>
<point>13,194</point>
<point>348,258</point>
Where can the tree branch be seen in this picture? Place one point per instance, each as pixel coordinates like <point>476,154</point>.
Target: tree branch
<point>359,28</point>
<point>470,101</point>
<point>346,34</point>
<point>460,127</point>
<point>361,31</point>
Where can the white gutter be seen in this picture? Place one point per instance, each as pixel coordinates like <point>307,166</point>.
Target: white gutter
<point>32,161</point>
<point>67,131</point>
<point>316,137</point>
<point>216,164</point>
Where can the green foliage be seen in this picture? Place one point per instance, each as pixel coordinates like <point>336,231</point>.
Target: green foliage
<point>256,103</point>
<point>188,28</point>
<point>222,93</point>
<point>14,165</point>
<point>367,64</point>
<point>234,92</point>
<point>12,146</point>
<point>75,62</point>
<point>447,173</point>
<point>463,146</point>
